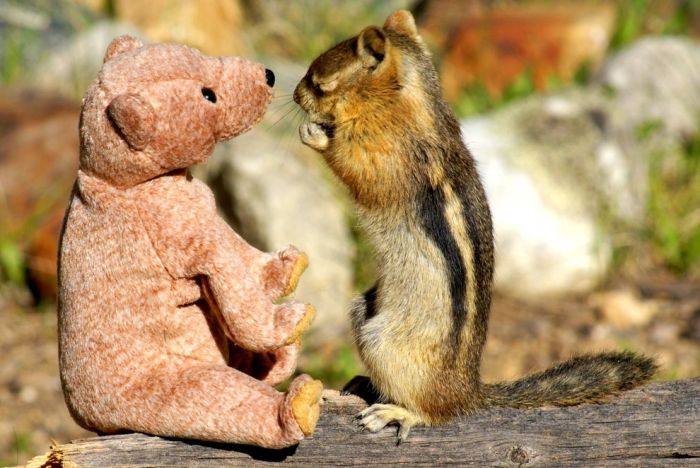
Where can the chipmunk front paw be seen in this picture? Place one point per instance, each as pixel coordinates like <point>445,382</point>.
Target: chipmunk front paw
<point>377,416</point>
<point>314,135</point>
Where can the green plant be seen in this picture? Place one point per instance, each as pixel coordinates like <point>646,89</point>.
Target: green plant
<point>13,53</point>
<point>477,99</point>
<point>303,29</point>
<point>674,206</point>
<point>631,16</point>
<point>12,261</point>
<point>332,363</point>
<point>21,446</point>
<point>363,264</point>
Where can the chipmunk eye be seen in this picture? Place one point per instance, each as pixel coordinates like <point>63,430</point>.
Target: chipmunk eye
<point>313,86</point>
<point>209,95</point>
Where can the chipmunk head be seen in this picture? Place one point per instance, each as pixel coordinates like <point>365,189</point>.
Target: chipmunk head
<point>370,71</point>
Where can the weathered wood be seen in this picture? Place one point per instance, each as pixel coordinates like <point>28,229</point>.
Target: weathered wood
<point>657,425</point>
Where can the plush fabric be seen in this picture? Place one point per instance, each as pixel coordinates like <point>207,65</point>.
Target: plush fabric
<point>168,320</point>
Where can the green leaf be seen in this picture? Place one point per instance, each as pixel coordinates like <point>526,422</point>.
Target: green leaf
<point>11,261</point>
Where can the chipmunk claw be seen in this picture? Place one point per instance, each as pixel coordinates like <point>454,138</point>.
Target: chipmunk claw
<point>378,416</point>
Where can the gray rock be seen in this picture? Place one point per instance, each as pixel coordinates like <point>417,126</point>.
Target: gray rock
<point>70,66</point>
<point>564,173</point>
<point>657,79</point>
<point>547,236</point>
<point>273,198</point>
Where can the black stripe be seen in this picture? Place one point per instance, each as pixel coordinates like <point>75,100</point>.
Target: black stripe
<point>482,266</point>
<point>370,297</point>
<point>432,217</point>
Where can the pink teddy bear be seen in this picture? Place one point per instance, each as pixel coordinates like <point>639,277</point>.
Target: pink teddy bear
<point>167,319</point>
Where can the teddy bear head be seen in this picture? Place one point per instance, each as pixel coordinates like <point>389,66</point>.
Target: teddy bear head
<point>157,108</point>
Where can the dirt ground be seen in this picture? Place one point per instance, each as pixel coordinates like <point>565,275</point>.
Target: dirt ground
<point>661,319</point>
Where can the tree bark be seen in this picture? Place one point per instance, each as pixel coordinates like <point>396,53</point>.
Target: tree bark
<point>656,425</point>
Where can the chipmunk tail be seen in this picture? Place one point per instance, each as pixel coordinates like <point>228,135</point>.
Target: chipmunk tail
<point>583,379</point>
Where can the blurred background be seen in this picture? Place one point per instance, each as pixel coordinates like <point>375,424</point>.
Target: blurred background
<point>584,116</point>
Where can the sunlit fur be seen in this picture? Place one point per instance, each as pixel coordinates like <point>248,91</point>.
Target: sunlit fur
<point>378,117</point>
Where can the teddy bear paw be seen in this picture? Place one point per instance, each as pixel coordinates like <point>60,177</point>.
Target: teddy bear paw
<point>304,313</point>
<point>282,273</point>
<point>298,262</point>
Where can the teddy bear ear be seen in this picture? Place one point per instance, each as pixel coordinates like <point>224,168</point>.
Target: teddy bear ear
<point>135,118</point>
<point>120,45</point>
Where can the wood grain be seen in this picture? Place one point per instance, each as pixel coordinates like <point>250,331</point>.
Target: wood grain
<point>657,425</point>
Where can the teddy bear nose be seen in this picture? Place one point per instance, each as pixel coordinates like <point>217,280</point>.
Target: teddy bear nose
<point>269,77</point>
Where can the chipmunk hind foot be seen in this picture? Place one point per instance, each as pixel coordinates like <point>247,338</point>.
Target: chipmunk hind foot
<point>379,415</point>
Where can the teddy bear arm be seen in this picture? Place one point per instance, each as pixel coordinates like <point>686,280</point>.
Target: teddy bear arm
<point>283,364</point>
<point>251,320</point>
<point>191,214</point>
<point>254,258</point>
<point>277,273</point>
<point>192,241</point>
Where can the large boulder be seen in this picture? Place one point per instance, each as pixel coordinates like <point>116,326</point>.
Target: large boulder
<point>540,160</point>
<point>273,198</point>
<point>565,172</point>
<point>656,81</point>
<point>214,26</point>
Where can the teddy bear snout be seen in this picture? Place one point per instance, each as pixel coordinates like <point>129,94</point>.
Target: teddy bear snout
<point>244,92</point>
<point>269,77</point>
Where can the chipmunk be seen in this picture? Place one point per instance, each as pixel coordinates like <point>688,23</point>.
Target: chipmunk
<point>378,117</point>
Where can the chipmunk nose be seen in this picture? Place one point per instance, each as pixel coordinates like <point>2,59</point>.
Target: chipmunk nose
<point>269,77</point>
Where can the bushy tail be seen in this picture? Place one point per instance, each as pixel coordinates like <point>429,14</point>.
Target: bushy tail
<point>583,379</point>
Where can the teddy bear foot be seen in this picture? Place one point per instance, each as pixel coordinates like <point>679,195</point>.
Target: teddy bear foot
<point>306,404</point>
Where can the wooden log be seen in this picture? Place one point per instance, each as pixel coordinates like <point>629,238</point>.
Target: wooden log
<point>656,425</point>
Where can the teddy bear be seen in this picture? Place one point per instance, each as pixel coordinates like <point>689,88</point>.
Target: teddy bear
<point>169,322</point>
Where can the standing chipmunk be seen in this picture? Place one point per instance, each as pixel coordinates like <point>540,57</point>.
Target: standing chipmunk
<point>377,115</point>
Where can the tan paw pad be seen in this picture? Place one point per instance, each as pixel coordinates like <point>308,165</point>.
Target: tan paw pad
<point>306,406</point>
<point>300,265</point>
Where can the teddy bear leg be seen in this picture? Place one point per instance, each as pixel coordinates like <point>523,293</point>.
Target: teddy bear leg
<point>218,403</point>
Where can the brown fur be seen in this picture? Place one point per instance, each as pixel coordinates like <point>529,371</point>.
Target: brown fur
<point>377,115</point>
<point>167,323</point>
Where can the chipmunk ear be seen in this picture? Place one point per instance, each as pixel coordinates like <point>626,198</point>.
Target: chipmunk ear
<point>402,22</point>
<point>135,119</point>
<point>371,45</point>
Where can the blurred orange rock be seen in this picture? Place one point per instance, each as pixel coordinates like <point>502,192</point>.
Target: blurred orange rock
<point>38,162</point>
<point>495,45</point>
<point>212,26</point>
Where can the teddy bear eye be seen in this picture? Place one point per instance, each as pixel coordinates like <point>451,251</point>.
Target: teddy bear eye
<point>209,95</point>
